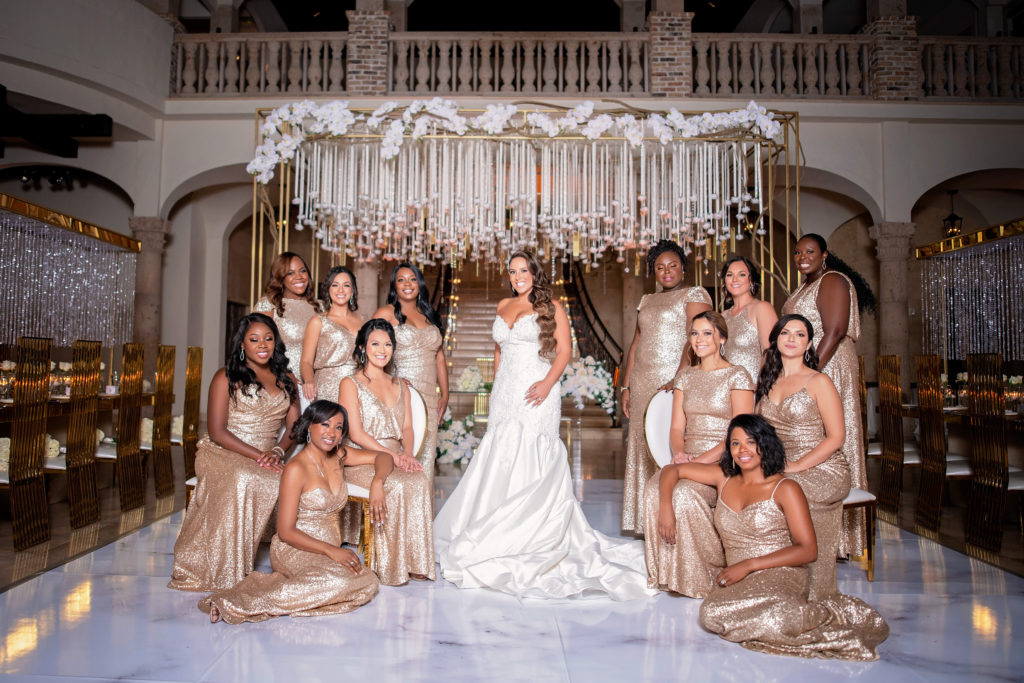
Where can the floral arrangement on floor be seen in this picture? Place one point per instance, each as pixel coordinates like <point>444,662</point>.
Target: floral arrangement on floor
<point>470,379</point>
<point>586,379</point>
<point>178,427</point>
<point>456,442</point>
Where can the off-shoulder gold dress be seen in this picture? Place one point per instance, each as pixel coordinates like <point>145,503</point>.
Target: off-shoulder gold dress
<point>303,584</point>
<point>661,318</point>
<point>404,543</point>
<point>333,361</point>
<point>233,500</point>
<point>743,347</point>
<point>798,423</point>
<point>416,361</point>
<point>843,370</point>
<point>768,610</point>
<point>689,567</point>
<point>292,327</point>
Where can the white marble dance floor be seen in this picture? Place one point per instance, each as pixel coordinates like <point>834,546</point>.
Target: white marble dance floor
<point>109,615</point>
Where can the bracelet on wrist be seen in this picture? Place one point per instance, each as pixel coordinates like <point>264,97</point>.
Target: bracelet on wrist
<point>278,450</point>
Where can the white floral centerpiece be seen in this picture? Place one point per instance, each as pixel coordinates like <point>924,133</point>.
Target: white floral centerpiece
<point>586,379</point>
<point>52,447</point>
<point>178,427</point>
<point>470,379</point>
<point>146,433</point>
<point>456,442</point>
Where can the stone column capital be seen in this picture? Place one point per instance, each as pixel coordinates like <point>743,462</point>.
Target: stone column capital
<point>892,239</point>
<point>151,231</point>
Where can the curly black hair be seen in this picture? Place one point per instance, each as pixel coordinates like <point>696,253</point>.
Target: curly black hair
<point>325,288</point>
<point>240,375</point>
<point>318,411</point>
<point>422,297</point>
<point>660,248</point>
<point>769,447</point>
<point>363,336</point>
<point>773,359</point>
<point>866,299</point>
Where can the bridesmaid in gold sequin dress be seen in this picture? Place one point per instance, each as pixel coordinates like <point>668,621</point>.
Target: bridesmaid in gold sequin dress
<point>312,574</point>
<point>705,397</point>
<point>748,318</point>
<point>289,299</point>
<point>330,339</point>
<point>804,407</point>
<point>239,461</point>
<point>760,599</point>
<point>655,356</point>
<point>419,357</point>
<point>381,420</point>
<point>831,298</point>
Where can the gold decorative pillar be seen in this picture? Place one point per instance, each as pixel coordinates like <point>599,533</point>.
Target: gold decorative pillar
<point>892,245</point>
<point>151,231</point>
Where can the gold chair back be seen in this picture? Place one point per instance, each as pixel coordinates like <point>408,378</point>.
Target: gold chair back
<point>81,457</point>
<point>30,512</point>
<point>987,420</point>
<point>190,420</point>
<point>862,387</point>
<point>131,475</point>
<point>928,513</point>
<point>891,427</point>
<point>163,470</point>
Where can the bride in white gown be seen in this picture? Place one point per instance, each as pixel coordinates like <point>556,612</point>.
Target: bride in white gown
<point>513,524</point>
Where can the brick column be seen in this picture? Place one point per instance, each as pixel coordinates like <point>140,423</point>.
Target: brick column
<point>892,245</point>
<point>367,52</point>
<point>671,53</point>
<point>895,64</point>
<point>152,232</point>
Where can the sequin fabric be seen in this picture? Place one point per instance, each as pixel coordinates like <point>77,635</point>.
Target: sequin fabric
<point>689,567</point>
<point>334,360</point>
<point>743,347</point>
<point>297,313</point>
<point>303,583</point>
<point>233,500</point>
<point>404,543</point>
<point>416,361</point>
<point>798,423</point>
<point>843,370</point>
<point>661,318</point>
<point>768,610</point>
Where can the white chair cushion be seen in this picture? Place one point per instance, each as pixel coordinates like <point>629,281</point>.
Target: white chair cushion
<point>106,451</point>
<point>874,448</point>
<point>657,425</point>
<point>1016,482</point>
<point>1013,468</point>
<point>956,457</point>
<point>60,463</point>
<point>176,441</point>
<point>419,421</point>
<point>858,496</point>
<point>191,481</point>
<point>958,469</point>
<point>146,446</point>
<point>5,477</point>
<point>911,457</point>
<point>358,491</point>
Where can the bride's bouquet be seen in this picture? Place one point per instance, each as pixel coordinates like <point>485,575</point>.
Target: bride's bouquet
<point>455,439</point>
<point>586,379</point>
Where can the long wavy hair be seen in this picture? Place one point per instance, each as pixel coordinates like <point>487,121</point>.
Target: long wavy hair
<point>422,296</point>
<point>320,411</point>
<point>240,375</point>
<point>660,248</point>
<point>772,366</point>
<point>769,446</point>
<point>754,277</point>
<point>363,336</point>
<point>718,321</point>
<point>325,288</point>
<point>866,299</point>
<point>274,291</point>
<point>540,297</point>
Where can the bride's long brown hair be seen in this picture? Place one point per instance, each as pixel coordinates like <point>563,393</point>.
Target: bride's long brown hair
<point>540,297</point>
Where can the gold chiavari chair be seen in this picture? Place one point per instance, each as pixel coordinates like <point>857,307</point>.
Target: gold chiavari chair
<point>163,469</point>
<point>872,449</point>
<point>30,512</point>
<point>190,419</point>
<point>127,455</point>
<point>81,455</point>
<point>895,455</point>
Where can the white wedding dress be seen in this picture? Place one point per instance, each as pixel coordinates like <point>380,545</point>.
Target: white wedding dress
<point>513,524</point>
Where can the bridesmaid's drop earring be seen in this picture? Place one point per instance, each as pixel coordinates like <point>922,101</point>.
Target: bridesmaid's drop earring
<point>241,354</point>
<point>307,437</point>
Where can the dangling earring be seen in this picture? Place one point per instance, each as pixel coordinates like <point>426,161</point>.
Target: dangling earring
<point>721,349</point>
<point>241,354</point>
<point>307,437</point>
<point>807,357</point>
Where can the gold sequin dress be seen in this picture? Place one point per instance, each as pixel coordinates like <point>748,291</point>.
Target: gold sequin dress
<point>843,370</point>
<point>768,610</point>
<point>233,500</point>
<point>416,361</point>
<point>661,318</point>
<point>304,583</point>
<point>333,361</point>
<point>798,423</point>
<point>689,567</point>
<point>297,313</point>
<point>743,347</point>
<point>404,543</point>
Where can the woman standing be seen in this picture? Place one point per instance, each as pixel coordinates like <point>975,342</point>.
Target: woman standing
<point>419,357</point>
<point>381,420</point>
<point>289,299</point>
<point>312,574</point>
<point>330,339</point>
<point>803,406</point>
<point>239,460</point>
<point>705,397</point>
<point>831,298</point>
<point>655,356</point>
<point>749,319</point>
